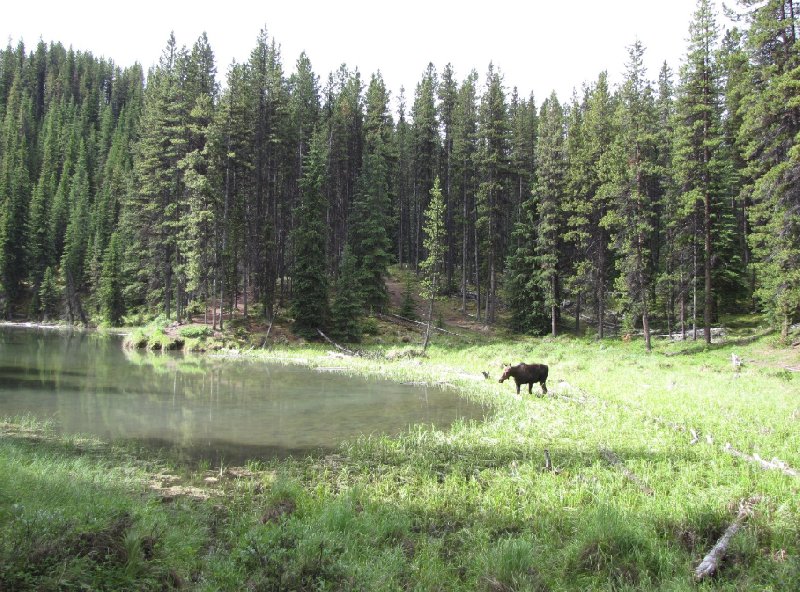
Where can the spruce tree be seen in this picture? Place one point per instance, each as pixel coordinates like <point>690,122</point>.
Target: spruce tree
<point>73,260</point>
<point>369,222</point>
<point>522,290</point>
<point>698,151</point>
<point>590,139</point>
<point>309,306</point>
<point>548,193</point>
<point>435,244</point>
<point>425,153</point>
<point>347,308</point>
<point>770,135</point>
<point>14,194</point>
<point>464,184</point>
<point>448,99</point>
<point>48,295</point>
<point>493,189</point>
<point>154,207</point>
<point>110,292</point>
<point>344,119</point>
<point>630,185</point>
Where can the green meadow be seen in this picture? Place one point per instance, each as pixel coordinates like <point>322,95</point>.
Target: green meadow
<point>622,478</point>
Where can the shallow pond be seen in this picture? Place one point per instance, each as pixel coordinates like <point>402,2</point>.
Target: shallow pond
<point>203,408</point>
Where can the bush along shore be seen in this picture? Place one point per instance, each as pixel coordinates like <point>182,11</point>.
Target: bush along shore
<point>676,470</point>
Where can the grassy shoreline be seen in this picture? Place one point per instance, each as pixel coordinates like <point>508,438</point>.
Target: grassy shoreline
<point>474,507</point>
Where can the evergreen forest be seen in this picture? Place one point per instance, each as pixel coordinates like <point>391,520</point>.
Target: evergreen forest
<point>654,205</point>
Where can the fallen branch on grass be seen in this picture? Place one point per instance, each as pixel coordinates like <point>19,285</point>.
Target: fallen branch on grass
<point>773,465</point>
<point>614,460</point>
<point>341,348</point>
<point>266,337</point>
<point>348,352</point>
<point>711,561</point>
<point>394,318</point>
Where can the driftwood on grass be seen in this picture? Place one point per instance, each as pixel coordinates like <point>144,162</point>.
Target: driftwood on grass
<point>341,348</point>
<point>631,476</point>
<point>266,337</point>
<point>395,318</point>
<point>773,465</point>
<point>711,561</point>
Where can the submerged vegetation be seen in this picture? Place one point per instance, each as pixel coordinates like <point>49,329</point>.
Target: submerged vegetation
<point>623,477</point>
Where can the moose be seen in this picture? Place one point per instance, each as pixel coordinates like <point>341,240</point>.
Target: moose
<point>527,374</point>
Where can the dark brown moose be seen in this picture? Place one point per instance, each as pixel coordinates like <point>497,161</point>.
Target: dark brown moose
<point>527,374</point>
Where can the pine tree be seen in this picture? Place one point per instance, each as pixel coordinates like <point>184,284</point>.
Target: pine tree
<point>48,295</point>
<point>347,308</point>
<point>403,183</point>
<point>591,132</point>
<point>309,306</point>
<point>425,152</point>
<point>40,241</point>
<point>110,292</point>
<point>630,184</point>
<point>671,285</point>
<point>73,260</point>
<point>548,195</point>
<point>344,118</point>
<point>448,100</point>
<point>522,291</point>
<point>408,307</point>
<point>465,147</point>
<point>493,190</point>
<point>436,247</point>
<point>523,127</point>
<point>14,194</point>
<point>770,136</point>
<point>153,210</point>
<point>230,157</point>
<point>698,149</point>
<point>369,221</point>
<point>264,215</point>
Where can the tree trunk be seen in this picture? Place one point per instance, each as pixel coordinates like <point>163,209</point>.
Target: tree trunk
<point>477,278</point>
<point>430,315</point>
<point>554,309</point>
<point>601,275</point>
<point>245,280</point>
<point>464,256</point>
<point>707,307</point>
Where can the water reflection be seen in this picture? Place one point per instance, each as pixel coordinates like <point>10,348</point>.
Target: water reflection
<point>222,410</point>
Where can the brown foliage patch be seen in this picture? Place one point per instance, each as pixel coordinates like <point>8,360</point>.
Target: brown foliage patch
<point>282,508</point>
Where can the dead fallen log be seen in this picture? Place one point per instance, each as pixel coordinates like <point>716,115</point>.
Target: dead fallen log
<point>614,460</point>
<point>711,561</point>
<point>395,318</point>
<point>341,348</point>
<point>773,465</point>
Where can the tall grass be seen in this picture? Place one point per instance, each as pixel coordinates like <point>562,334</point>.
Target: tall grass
<point>479,506</point>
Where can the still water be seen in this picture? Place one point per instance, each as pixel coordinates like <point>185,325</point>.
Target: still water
<point>200,408</point>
